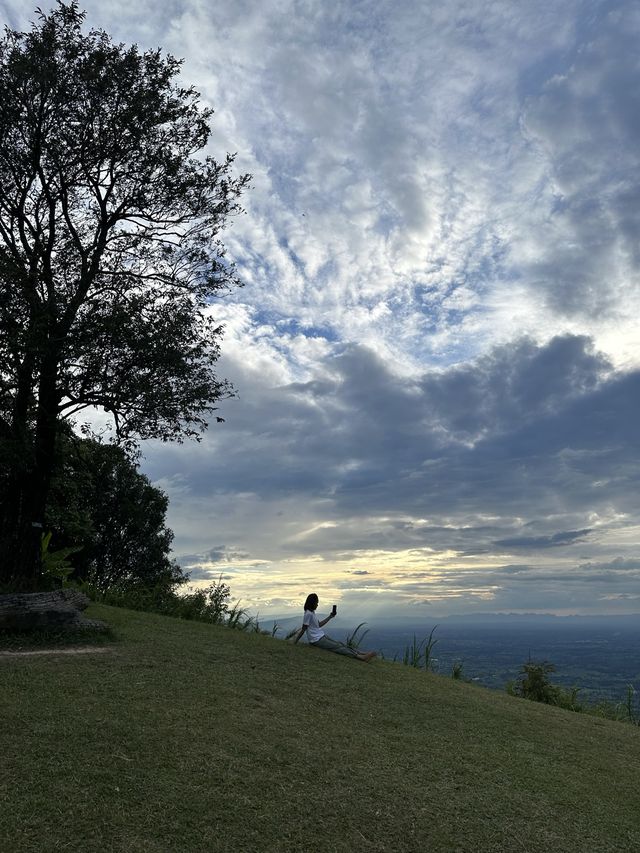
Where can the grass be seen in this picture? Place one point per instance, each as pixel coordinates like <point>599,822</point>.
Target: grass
<point>420,654</point>
<point>55,638</point>
<point>188,737</point>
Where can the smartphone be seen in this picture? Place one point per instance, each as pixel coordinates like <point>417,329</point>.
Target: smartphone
<point>334,610</point>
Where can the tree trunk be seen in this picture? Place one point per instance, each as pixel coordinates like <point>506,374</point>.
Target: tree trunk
<point>28,486</point>
<point>20,544</point>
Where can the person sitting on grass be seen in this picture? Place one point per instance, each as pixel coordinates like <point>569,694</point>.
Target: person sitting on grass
<point>317,637</point>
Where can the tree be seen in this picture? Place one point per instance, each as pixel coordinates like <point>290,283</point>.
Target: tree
<point>110,256</point>
<point>101,505</point>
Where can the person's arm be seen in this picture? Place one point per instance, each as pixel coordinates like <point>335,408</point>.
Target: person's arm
<point>300,633</point>
<point>324,621</point>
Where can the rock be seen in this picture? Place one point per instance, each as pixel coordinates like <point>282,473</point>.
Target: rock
<point>37,610</point>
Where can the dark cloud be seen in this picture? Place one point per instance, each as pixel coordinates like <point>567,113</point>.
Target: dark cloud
<point>223,554</point>
<point>524,433</point>
<point>568,537</point>
<point>619,564</point>
<point>513,384</point>
<point>526,429</point>
<point>516,569</point>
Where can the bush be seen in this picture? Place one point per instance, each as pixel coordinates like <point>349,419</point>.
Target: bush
<point>210,604</point>
<point>457,670</point>
<point>534,684</point>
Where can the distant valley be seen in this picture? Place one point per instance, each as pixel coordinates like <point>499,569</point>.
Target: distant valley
<point>598,654</point>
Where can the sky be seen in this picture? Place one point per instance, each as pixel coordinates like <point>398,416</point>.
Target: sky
<point>436,351</point>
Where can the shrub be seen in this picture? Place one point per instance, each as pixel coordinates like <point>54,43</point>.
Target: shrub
<point>210,604</point>
<point>534,684</point>
<point>456,670</point>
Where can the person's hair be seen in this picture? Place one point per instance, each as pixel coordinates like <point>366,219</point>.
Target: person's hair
<point>312,600</point>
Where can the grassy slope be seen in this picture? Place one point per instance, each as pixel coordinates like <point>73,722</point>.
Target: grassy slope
<point>186,737</point>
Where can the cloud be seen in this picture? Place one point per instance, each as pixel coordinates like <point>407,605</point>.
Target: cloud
<point>568,537</point>
<point>531,447</point>
<point>427,179</point>
<point>583,121</point>
<point>618,565</point>
<point>223,554</point>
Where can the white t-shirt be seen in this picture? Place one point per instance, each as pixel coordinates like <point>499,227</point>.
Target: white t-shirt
<point>314,631</point>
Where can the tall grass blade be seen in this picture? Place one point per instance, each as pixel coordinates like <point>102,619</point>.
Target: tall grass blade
<point>353,640</point>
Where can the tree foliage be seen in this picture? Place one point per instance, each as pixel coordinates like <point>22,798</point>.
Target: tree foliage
<point>111,516</point>
<point>110,255</point>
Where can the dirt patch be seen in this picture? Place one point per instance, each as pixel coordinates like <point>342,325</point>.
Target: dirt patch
<point>78,650</point>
